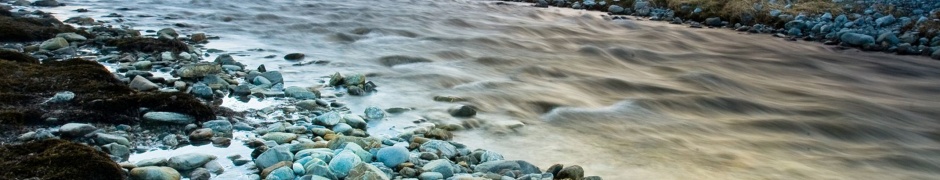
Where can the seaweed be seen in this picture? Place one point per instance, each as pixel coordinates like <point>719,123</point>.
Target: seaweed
<point>148,45</point>
<point>22,29</point>
<point>57,159</point>
<point>17,57</point>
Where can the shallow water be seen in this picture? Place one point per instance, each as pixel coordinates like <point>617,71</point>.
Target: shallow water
<point>624,99</point>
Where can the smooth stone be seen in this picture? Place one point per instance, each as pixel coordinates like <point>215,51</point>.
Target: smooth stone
<point>142,84</point>
<point>283,173</point>
<point>272,156</point>
<point>443,166</point>
<point>462,111</point>
<point>72,37</point>
<point>203,134</point>
<point>299,93</point>
<point>76,129</point>
<point>329,119</point>
<point>294,57</point>
<point>189,161</point>
<point>374,113</point>
<point>154,173</point>
<point>54,43</point>
<point>431,176</point>
<point>221,127</point>
<point>118,150</point>
<point>365,171</point>
<point>144,65</point>
<point>343,163</point>
<point>856,39</point>
<point>59,97</point>
<point>364,155</point>
<point>169,117</point>
<point>274,76</point>
<point>215,166</point>
<point>355,121</point>
<point>571,172</point>
<point>199,70</point>
<point>392,156</point>
<point>200,174</point>
<point>441,148</point>
<point>298,169</point>
<point>202,91</point>
<point>103,138</point>
<point>198,37</point>
<point>167,33</point>
<point>151,162</point>
<point>280,137</point>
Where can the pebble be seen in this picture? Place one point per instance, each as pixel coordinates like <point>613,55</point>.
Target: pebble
<point>103,138</point>
<point>462,111</point>
<point>169,117</point>
<point>154,173</point>
<point>294,57</point>
<point>142,84</point>
<point>189,161</point>
<point>392,156</point>
<point>54,44</point>
<point>76,129</point>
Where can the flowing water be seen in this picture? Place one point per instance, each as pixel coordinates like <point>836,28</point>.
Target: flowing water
<point>624,99</point>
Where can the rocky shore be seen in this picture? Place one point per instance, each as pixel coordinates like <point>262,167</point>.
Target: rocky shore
<point>79,102</point>
<point>903,27</point>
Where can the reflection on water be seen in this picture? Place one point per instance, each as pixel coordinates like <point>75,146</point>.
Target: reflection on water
<point>625,99</point>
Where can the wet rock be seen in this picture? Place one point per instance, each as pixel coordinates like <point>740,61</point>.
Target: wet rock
<point>336,79</point>
<point>151,162</point>
<point>281,173</point>
<point>342,128</point>
<point>203,134</point>
<point>103,138</point>
<point>198,37</point>
<point>441,148</point>
<point>615,9</point>
<point>392,156</point>
<point>462,111</point>
<point>343,163</point>
<point>328,119</point>
<point>54,43</point>
<point>154,173</point>
<point>431,176</point>
<point>171,141</point>
<point>443,166</point>
<point>280,137</point>
<point>76,129</point>
<point>118,150</point>
<point>148,45</point>
<point>203,91</point>
<point>438,133</point>
<point>374,113</point>
<point>271,157</point>
<point>200,174</point>
<point>885,21</point>
<point>354,79</point>
<point>167,34</point>
<point>199,70</point>
<point>142,84</point>
<point>713,22</point>
<point>72,37</point>
<point>365,171</point>
<point>189,161</point>
<point>935,54</point>
<point>144,65</point>
<point>168,117</point>
<point>571,172</point>
<point>274,76</point>
<point>355,121</point>
<point>294,57</point>
<point>299,93</point>
<point>220,127</point>
<point>47,3</point>
<point>56,159</point>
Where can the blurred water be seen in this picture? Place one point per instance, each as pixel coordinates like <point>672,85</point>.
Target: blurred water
<point>624,99</point>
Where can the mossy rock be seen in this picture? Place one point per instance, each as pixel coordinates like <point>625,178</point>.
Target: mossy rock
<point>149,45</point>
<point>17,57</point>
<point>57,159</point>
<point>22,29</point>
<point>100,97</point>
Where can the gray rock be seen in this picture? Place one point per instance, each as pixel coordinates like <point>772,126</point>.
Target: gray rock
<point>59,97</point>
<point>713,22</point>
<point>273,156</point>
<point>72,37</point>
<point>274,76</point>
<point>336,79</point>
<point>299,93</point>
<point>615,9</point>
<point>76,129</point>
<point>282,173</point>
<point>392,156</point>
<point>355,121</point>
<point>202,91</point>
<point>54,43</point>
<point>431,176</point>
<point>143,65</point>
<point>221,127</point>
<point>885,21</point>
<point>571,172</point>
<point>199,70</point>
<point>462,111</point>
<point>200,174</point>
<point>189,161</point>
<point>374,113</point>
<point>855,39</point>
<point>365,171</point>
<point>329,119</point>
<point>343,163</point>
<point>171,141</point>
<point>167,33</point>
<point>889,38</point>
<point>215,167</point>
<point>142,84</point>
<point>280,137</point>
<point>154,173</point>
<point>151,162</point>
<point>294,56</point>
<point>103,138</point>
<point>46,3</point>
<point>203,134</point>
<point>443,166</point>
<point>21,3</point>
<point>441,148</point>
<point>168,117</point>
<point>342,128</point>
<point>118,150</point>
<point>355,79</point>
